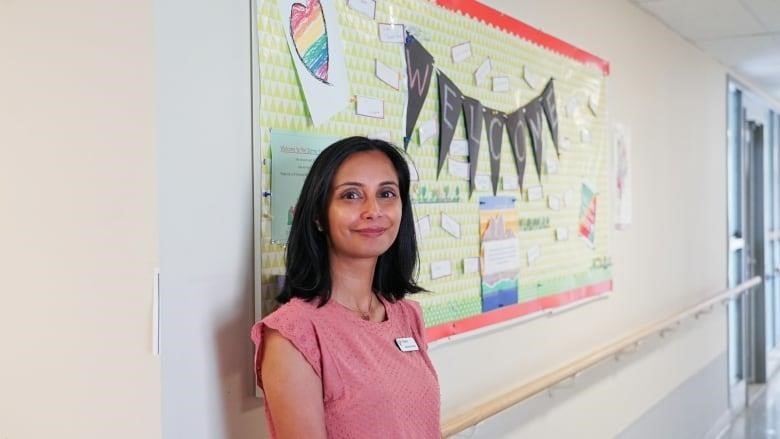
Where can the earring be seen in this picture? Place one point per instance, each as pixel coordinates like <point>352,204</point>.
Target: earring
<point>319,226</point>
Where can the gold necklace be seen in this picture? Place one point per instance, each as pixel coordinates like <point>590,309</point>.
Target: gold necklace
<point>365,315</point>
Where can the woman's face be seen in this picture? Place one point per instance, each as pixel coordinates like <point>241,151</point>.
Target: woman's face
<point>364,207</point>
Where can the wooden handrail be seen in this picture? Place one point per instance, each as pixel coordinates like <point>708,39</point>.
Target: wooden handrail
<point>490,408</point>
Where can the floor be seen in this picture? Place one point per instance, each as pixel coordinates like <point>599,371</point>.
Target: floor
<point>761,419</point>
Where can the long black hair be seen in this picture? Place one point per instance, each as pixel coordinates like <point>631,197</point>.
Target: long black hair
<point>307,273</point>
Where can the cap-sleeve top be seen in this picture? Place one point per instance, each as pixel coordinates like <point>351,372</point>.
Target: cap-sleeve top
<point>371,389</point>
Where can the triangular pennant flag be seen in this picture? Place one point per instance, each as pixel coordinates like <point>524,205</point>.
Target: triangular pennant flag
<point>450,108</point>
<point>472,109</point>
<point>533,116</point>
<point>494,127</point>
<point>515,125</point>
<point>419,69</point>
<point>551,112</point>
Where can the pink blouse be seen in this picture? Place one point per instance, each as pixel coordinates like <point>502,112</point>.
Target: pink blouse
<point>371,388</point>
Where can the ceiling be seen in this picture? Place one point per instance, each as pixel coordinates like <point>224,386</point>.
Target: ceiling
<point>742,34</point>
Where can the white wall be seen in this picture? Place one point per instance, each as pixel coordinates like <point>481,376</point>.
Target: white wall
<point>78,220</point>
<point>205,170</point>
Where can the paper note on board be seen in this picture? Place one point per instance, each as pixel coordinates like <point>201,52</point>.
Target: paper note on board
<point>370,107</point>
<point>449,224</point>
<point>461,52</point>
<point>391,33</point>
<point>441,269</point>
<point>482,72</point>
<point>387,75</point>
<point>365,7</point>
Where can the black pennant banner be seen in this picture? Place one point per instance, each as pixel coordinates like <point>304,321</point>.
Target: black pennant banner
<point>548,103</point>
<point>450,108</point>
<point>533,117</point>
<point>419,69</point>
<point>472,109</point>
<point>494,127</point>
<point>515,125</point>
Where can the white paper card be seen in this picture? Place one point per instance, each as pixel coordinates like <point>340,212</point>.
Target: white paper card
<point>592,105</point>
<point>500,255</point>
<point>458,169</point>
<point>460,147</point>
<point>365,7</point>
<point>509,182</point>
<point>428,129</point>
<point>440,269</point>
<point>500,83</point>
<point>449,224</point>
<point>553,202</point>
<point>423,226</point>
<point>471,265</point>
<point>482,72</point>
<point>561,234</point>
<point>530,77</point>
<point>534,193</point>
<point>392,33</point>
<point>571,106</point>
<point>387,75</point>
<point>461,52</point>
<point>585,135</point>
<point>413,175</point>
<point>568,197</point>
<point>482,182</point>
<point>371,107</point>
<point>551,165</point>
<point>533,254</point>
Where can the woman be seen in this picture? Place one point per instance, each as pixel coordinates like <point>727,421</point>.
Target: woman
<point>345,355</point>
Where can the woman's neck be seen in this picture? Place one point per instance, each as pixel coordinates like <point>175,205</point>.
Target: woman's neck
<point>352,280</point>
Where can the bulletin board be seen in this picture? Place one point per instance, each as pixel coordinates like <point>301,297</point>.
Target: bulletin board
<point>512,208</point>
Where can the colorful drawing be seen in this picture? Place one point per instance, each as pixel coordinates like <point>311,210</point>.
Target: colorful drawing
<point>588,215</point>
<point>309,33</point>
<point>500,260</point>
<point>313,34</point>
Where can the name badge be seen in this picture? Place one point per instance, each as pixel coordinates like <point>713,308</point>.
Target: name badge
<point>406,344</point>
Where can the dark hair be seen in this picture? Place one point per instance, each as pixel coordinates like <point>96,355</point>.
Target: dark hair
<point>307,265</point>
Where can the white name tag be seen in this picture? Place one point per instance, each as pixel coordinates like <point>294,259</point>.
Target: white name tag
<point>406,344</point>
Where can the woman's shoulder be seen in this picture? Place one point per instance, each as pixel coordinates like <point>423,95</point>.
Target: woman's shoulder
<point>409,305</point>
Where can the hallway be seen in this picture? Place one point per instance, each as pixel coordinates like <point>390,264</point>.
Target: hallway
<point>761,419</point>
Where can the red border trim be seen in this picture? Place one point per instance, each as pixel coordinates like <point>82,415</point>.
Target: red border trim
<point>519,29</point>
<point>511,312</point>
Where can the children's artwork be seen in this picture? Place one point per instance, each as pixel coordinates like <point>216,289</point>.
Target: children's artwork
<point>622,160</point>
<point>588,214</point>
<point>292,155</point>
<point>500,262</point>
<point>312,31</point>
<point>525,243</point>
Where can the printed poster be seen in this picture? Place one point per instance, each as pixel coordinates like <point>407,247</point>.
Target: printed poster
<point>292,155</point>
<point>499,255</point>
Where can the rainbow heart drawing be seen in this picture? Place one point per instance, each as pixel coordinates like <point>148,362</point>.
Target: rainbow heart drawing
<point>310,37</point>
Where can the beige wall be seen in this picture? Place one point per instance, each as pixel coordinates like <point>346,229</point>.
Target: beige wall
<point>78,230</point>
<point>674,253</point>
<point>78,226</point>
